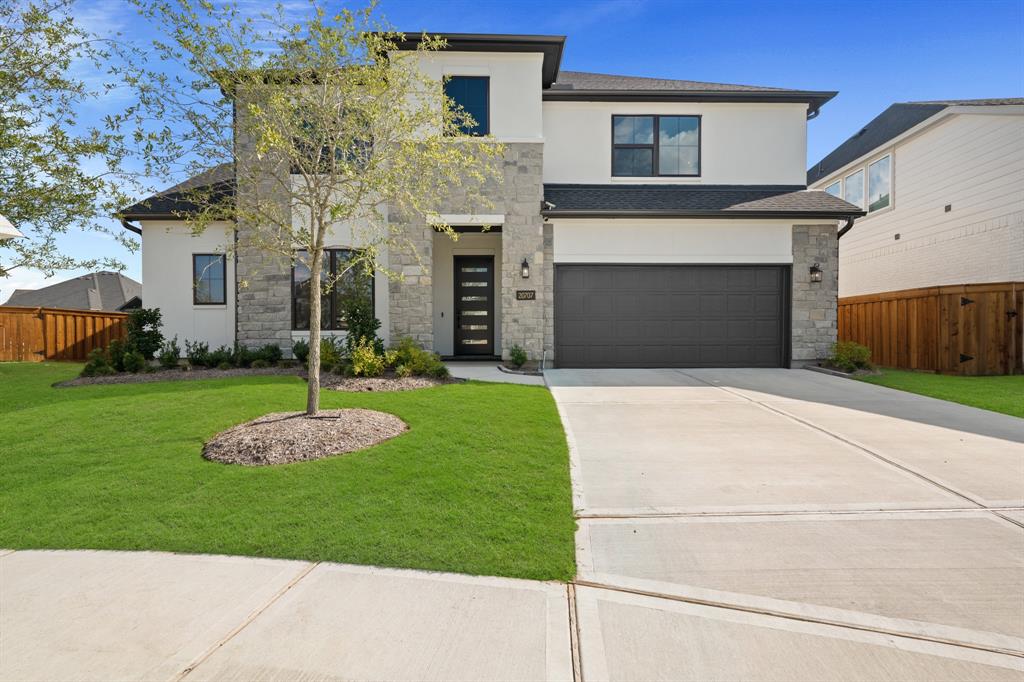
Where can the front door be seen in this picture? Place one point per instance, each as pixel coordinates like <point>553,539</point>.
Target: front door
<point>474,305</point>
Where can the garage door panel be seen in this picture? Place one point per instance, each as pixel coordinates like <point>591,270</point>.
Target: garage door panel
<point>670,315</point>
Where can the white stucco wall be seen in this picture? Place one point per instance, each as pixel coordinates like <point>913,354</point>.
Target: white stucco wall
<point>515,87</point>
<point>971,161</point>
<point>443,273</point>
<point>744,144</point>
<point>673,241</point>
<point>167,248</point>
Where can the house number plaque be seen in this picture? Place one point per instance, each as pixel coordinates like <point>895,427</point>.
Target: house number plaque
<point>526,295</point>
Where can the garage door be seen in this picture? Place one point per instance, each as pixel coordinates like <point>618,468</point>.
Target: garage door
<point>671,315</point>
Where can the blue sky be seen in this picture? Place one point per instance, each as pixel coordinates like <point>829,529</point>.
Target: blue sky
<point>874,53</point>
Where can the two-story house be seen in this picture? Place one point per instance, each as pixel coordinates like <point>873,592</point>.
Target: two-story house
<point>641,222</point>
<point>943,187</point>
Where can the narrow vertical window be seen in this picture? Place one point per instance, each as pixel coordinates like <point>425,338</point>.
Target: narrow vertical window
<point>855,188</point>
<point>879,182</point>
<point>472,94</point>
<point>208,279</point>
<point>835,189</point>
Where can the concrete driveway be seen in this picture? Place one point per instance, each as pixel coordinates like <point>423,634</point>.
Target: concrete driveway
<point>785,524</point>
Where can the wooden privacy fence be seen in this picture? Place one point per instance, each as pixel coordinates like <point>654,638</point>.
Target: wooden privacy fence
<point>37,334</point>
<point>961,329</point>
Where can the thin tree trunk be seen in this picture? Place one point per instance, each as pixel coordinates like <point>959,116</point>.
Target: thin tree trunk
<point>315,293</point>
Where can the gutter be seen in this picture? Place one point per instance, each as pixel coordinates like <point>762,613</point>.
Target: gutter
<point>847,227</point>
<point>569,213</point>
<point>128,226</point>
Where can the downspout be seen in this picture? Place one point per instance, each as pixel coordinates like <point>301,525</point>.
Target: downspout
<point>847,227</point>
<point>132,228</point>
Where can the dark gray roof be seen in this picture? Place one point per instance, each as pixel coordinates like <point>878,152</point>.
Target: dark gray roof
<point>96,291</point>
<point>601,87</point>
<point>694,201</point>
<point>177,200</point>
<point>890,124</point>
<point>550,46</point>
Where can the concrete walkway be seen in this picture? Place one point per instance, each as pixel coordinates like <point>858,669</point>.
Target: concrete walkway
<point>488,371</point>
<point>155,616</point>
<point>777,524</point>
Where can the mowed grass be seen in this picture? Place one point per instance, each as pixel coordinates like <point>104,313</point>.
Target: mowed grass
<point>479,484</point>
<point>1000,394</point>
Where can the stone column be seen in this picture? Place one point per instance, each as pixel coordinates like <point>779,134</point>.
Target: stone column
<point>815,304</point>
<point>411,297</point>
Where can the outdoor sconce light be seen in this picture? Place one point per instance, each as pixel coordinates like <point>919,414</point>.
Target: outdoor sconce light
<point>815,273</point>
<point>526,269</point>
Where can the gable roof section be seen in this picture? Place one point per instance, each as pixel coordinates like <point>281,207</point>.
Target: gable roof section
<point>600,87</point>
<point>175,201</point>
<point>550,46</point>
<point>95,291</point>
<point>887,126</point>
<point>690,201</point>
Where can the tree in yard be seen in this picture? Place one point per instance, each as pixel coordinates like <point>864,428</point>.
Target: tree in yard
<point>329,126</point>
<point>55,174</point>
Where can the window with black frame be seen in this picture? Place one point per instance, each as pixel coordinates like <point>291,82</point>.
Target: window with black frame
<point>208,279</point>
<point>472,93</point>
<point>350,284</point>
<point>647,146</point>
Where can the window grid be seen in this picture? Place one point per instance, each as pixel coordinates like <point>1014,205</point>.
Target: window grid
<point>209,286</point>
<point>473,94</point>
<point>330,306</point>
<point>654,147</point>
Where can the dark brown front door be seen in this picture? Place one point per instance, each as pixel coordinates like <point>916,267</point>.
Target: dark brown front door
<point>474,305</point>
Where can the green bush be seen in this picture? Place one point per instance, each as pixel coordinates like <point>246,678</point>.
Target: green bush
<point>270,353</point>
<point>259,363</point>
<point>242,356</point>
<point>198,353</point>
<point>135,362</point>
<point>97,364</point>
<point>437,370</point>
<point>170,353</point>
<point>417,361</point>
<point>224,365</point>
<point>221,356</point>
<point>300,349</point>
<point>849,356</point>
<point>144,331</point>
<point>367,362</point>
<point>517,356</point>
<point>403,371</point>
<point>357,311</point>
<point>115,353</point>
<point>331,353</point>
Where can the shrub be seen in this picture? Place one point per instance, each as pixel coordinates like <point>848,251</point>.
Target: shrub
<point>270,353</point>
<point>259,363</point>
<point>242,356</point>
<point>144,331</point>
<point>366,361</point>
<point>517,356</point>
<point>198,353</point>
<point>357,311</point>
<point>849,356</point>
<point>115,353</point>
<point>221,356</point>
<point>225,365</point>
<point>97,364</point>
<point>416,360</point>
<point>300,349</point>
<point>437,370</point>
<point>403,371</point>
<point>170,353</point>
<point>135,362</point>
<point>331,353</point>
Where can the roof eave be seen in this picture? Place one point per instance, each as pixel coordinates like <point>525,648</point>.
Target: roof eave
<point>830,215</point>
<point>551,46</point>
<point>814,99</point>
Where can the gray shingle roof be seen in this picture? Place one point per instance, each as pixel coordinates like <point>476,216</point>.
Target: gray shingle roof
<point>582,80</point>
<point>95,291</point>
<point>694,200</point>
<point>176,200</point>
<point>890,124</point>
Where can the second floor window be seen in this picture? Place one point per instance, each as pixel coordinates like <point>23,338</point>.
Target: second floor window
<point>349,283</point>
<point>646,146</point>
<point>472,94</point>
<point>208,279</point>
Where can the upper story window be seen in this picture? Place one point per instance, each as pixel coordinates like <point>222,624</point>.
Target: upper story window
<point>208,279</point>
<point>855,188</point>
<point>835,189</point>
<point>347,283</point>
<point>472,93</point>
<point>645,146</point>
<point>879,182</point>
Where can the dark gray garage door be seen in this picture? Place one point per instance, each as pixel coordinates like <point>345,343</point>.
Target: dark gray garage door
<point>671,315</point>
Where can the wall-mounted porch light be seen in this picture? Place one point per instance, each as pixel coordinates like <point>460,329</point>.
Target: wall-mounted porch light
<point>815,273</point>
<point>526,269</point>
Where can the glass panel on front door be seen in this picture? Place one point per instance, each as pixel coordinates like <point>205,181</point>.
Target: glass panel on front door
<point>474,305</point>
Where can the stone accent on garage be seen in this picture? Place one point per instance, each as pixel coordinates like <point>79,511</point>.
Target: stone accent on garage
<point>815,304</point>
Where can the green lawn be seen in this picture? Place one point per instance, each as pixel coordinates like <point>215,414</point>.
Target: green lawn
<point>479,484</point>
<point>999,394</point>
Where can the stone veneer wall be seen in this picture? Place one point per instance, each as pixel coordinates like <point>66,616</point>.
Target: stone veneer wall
<point>518,197</point>
<point>815,304</point>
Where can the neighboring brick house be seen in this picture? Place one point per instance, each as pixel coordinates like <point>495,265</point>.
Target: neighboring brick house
<point>943,185</point>
<point>641,222</point>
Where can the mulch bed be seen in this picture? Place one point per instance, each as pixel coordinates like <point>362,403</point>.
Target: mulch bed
<point>283,437</point>
<point>180,375</point>
<point>388,382</point>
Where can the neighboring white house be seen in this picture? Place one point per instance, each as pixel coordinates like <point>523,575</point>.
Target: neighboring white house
<point>641,222</point>
<point>943,184</point>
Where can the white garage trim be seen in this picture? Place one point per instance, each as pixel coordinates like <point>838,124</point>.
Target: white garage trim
<point>673,241</point>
